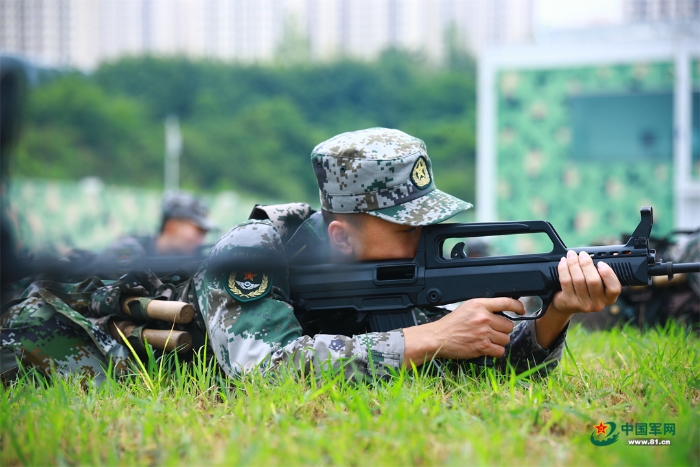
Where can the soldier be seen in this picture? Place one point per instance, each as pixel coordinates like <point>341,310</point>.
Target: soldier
<point>53,326</point>
<point>184,224</point>
<point>377,192</point>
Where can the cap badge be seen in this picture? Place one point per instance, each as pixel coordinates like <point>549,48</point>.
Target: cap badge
<point>420,176</point>
<point>248,286</point>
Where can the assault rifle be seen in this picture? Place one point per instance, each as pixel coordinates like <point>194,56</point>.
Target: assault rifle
<point>386,291</point>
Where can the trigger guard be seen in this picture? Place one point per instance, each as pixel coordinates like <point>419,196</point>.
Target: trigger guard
<point>546,302</point>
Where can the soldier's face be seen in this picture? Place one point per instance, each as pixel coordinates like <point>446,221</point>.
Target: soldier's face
<point>376,239</point>
<point>183,237</point>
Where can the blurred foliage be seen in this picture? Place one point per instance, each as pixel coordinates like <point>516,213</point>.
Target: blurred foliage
<point>248,128</point>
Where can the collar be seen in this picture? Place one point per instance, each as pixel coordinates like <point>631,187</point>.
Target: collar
<point>309,243</point>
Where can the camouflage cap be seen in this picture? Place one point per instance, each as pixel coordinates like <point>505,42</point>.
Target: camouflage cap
<point>383,172</point>
<point>186,206</point>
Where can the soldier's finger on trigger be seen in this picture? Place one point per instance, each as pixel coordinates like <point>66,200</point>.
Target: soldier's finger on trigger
<point>497,305</point>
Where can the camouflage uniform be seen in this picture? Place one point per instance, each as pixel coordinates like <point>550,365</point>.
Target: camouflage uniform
<point>48,329</point>
<point>64,328</point>
<point>241,292</point>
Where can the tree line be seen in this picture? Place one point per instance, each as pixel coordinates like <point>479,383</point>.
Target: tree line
<point>246,128</point>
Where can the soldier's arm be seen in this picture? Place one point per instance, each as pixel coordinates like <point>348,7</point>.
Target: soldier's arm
<point>266,335</point>
<point>473,331</point>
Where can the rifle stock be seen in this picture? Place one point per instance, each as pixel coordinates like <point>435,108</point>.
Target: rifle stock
<point>387,291</point>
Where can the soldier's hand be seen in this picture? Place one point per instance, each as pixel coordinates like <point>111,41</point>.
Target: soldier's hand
<point>585,288</point>
<point>472,330</point>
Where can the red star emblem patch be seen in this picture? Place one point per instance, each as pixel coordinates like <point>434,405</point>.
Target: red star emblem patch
<point>600,429</point>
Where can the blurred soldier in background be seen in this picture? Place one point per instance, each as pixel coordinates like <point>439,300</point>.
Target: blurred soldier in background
<point>87,338</point>
<point>691,252</point>
<point>179,246</point>
<point>645,307</point>
<point>184,225</point>
<point>685,306</point>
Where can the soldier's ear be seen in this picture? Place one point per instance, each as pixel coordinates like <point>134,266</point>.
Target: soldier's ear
<point>340,233</point>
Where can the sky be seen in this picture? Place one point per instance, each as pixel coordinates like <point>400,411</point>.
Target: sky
<point>558,14</point>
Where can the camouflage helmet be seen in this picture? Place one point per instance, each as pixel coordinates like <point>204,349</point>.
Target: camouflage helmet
<point>178,205</point>
<point>383,172</point>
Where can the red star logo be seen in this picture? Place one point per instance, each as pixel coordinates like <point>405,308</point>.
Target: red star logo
<point>249,277</point>
<point>601,429</point>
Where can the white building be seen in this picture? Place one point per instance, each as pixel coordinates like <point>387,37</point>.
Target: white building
<point>654,11</point>
<point>83,33</point>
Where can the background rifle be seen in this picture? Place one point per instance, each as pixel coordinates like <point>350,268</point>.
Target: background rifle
<point>386,291</point>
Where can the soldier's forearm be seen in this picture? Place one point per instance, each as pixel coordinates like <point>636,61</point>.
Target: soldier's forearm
<point>550,326</point>
<point>419,345</point>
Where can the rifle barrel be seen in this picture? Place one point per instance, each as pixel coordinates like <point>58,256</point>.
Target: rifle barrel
<point>669,268</point>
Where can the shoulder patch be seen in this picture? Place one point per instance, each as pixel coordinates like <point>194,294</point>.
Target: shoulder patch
<point>247,286</point>
<point>420,175</point>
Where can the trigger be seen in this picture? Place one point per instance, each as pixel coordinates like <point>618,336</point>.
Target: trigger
<point>458,251</point>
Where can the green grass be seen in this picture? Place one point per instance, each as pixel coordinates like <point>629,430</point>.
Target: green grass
<point>172,414</point>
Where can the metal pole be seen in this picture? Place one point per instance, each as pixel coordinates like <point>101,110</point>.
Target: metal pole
<point>173,147</point>
<point>686,196</point>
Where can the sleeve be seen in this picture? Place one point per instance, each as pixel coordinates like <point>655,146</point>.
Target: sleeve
<point>250,324</point>
<point>523,352</point>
